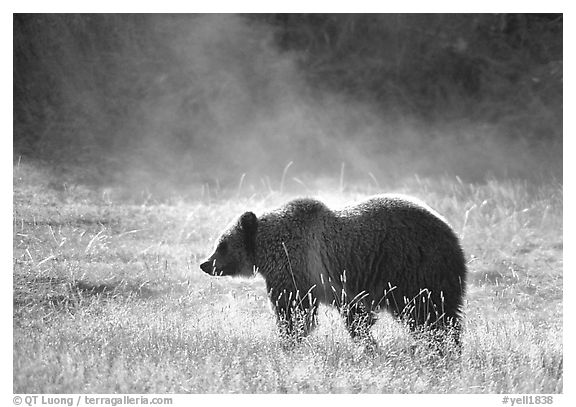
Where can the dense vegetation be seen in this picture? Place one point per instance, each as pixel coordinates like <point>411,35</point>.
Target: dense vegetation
<point>438,67</point>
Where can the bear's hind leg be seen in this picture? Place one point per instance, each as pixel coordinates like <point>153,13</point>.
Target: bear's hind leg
<point>439,332</point>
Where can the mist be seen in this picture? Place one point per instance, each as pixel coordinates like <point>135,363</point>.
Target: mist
<point>175,101</point>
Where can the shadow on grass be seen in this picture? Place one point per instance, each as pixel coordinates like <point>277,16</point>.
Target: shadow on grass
<point>115,288</point>
<point>53,294</point>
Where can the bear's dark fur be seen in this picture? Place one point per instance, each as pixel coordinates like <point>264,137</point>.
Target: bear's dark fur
<point>388,252</point>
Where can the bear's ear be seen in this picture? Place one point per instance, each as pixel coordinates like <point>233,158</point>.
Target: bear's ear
<point>249,224</point>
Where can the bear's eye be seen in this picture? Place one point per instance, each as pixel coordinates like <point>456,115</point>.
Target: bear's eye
<point>223,247</point>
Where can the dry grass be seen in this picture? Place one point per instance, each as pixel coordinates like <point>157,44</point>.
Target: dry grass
<point>108,297</point>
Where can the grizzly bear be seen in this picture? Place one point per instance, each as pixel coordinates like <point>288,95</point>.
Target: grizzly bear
<point>388,252</point>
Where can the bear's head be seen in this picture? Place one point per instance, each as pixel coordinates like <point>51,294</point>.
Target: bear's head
<point>235,249</point>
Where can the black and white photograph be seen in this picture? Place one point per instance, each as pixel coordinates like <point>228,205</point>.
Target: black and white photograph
<point>311,203</point>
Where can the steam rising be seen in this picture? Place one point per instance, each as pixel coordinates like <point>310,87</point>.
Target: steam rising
<point>221,100</point>
<point>246,107</point>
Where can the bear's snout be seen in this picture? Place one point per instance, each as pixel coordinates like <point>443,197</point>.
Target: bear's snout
<point>206,267</point>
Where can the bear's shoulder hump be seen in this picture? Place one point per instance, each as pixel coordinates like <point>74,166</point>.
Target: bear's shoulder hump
<point>306,205</point>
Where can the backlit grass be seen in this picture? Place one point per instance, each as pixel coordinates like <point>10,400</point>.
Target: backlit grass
<point>108,297</point>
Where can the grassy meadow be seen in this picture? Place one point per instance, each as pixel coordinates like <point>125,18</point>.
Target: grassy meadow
<point>108,296</point>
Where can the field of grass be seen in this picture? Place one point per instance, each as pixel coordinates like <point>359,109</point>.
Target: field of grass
<point>108,297</point>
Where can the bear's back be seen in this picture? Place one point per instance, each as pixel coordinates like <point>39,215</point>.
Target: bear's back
<point>393,210</point>
<point>388,238</point>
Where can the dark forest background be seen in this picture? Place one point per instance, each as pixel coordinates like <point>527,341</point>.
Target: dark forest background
<point>182,99</point>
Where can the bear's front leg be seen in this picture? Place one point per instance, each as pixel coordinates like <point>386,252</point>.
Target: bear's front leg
<point>359,319</point>
<point>296,317</point>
